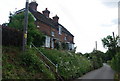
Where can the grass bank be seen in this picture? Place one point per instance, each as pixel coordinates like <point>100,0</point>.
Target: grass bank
<point>18,65</point>
<point>70,65</point>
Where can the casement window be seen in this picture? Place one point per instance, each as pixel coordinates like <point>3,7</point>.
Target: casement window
<point>47,42</point>
<point>60,30</point>
<point>71,46</point>
<point>65,38</point>
<point>38,26</point>
<point>53,33</point>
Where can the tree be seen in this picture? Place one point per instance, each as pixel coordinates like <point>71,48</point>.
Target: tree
<point>111,43</point>
<point>34,35</point>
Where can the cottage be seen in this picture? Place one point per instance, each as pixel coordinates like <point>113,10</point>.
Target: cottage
<point>54,31</point>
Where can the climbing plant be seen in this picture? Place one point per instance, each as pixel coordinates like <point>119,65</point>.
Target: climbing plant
<point>34,35</point>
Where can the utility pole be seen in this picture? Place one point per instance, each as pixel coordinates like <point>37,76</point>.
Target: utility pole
<point>25,26</point>
<point>113,36</point>
<point>114,39</point>
<point>95,45</point>
<point>114,42</point>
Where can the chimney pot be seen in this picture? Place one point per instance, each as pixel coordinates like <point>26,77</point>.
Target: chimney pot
<point>55,18</point>
<point>46,12</point>
<point>33,6</point>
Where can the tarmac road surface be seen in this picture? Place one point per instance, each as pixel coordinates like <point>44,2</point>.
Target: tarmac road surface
<point>104,73</point>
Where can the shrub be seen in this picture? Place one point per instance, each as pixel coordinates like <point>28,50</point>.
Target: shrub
<point>115,62</point>
<point>97,62</point>
<point>96,58</point>
<point>33,63</point>
<point>17,65</point>
<point>70,65</point>
<point>57,46</point>
<point>64,46</point>
<point>115,65</point>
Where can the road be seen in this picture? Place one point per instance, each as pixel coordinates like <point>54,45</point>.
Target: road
<point>104,73</point>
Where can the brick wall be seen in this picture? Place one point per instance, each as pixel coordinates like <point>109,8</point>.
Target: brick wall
<point>47,31</point>
<point>44,28</point>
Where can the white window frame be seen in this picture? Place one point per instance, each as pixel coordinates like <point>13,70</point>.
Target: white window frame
<point>60,30</point>
<point>38,26</point>
<point>71,46</point>
<point>65,38</point>
<point>53,33</point>
<point>47,42</point>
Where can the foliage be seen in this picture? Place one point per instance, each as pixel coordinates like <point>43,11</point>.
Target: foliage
<point>34,35</point>
<point>115,65</point>
<point>36,38</point>
<point>115,62</point>
<point>64,46</point>
<point>112,56</point>
<point>33,62</point>
<point>70,65</point>
<point>57,46</point>
<point>17,65</point>
<point>112,44</point>
<point>117,76</point>
<point>96,57</point>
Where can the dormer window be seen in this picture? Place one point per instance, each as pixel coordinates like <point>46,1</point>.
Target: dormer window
<point>60,30</point>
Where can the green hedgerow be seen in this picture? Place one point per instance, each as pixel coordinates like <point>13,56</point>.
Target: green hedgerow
<point>115,62</point>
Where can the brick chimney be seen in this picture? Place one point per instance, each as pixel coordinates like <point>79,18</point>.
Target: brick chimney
<point>33,5</point>
<point>55,18</point>
<point>46,12</point>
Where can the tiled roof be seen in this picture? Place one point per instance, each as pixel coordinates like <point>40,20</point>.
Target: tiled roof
<point>42,18</point>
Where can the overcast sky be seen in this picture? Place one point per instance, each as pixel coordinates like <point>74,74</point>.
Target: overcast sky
<point>87,20</point>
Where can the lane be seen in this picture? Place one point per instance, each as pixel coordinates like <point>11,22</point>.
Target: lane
<point>104,72</point>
